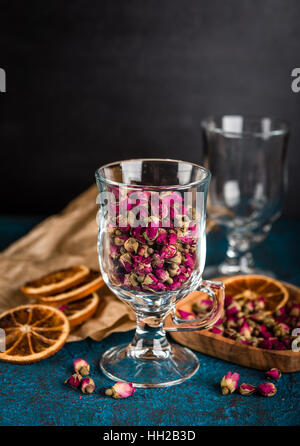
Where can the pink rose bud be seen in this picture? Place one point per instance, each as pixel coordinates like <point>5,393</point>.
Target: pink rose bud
<point>217,330</point>
<point>273,373</point>
<point>151,233</point>
<point>231,323</point>
<point>233,308</point>
<point>245,330</point>
<point>157,261</point>
<point>186,314</point>
<point>74,380</point>
<point>172,239</point>
<point>219,322</point>
<point>87,385</point>
<point>260,303</point>
<point>168,252</point>
<point>162,237</point>
<point>203,305</point>
<point>267,389</point>
<point>121,390</point>
<point>82,367</point>
<point>228,301</point>
<point>295,311</point>
<point>114,251</point>
<point>246,389</point>
<point>229,383</point>
<point>162,274</point>
<point>131,245</point>
<point>125,262</point>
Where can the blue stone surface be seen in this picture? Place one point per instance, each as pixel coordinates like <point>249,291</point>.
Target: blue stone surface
<point>35,394</point>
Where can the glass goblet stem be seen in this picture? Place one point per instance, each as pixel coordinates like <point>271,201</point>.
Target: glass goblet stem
<point>150,340</point>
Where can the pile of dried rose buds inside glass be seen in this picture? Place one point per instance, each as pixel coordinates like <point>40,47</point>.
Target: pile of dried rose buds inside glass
<point>249,323</point>
<point>158,254</point>
<point>230,382</point>
<point>87,385</point>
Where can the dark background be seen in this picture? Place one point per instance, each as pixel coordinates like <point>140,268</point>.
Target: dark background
<point>90,82</point>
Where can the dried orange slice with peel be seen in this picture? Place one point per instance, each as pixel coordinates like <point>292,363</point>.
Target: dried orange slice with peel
<point>92,282</point>
<point>56,281</point>
<point>79,311</point>
<point>33,333</point>
<point>252,287</point>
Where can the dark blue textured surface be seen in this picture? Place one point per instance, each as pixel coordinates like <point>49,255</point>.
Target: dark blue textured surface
<point>35,394</point>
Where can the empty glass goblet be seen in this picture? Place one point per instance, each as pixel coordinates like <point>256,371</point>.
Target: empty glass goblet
<point>246,157</point>
<point>152,248</point>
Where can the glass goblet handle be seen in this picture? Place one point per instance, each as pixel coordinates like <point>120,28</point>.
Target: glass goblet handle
<point>216,290</point>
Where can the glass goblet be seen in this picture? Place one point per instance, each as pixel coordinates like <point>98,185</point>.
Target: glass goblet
<point>246,157</point>
<point>152,248</point>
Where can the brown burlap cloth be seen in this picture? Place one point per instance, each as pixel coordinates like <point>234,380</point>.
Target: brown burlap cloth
<point>63,240</point>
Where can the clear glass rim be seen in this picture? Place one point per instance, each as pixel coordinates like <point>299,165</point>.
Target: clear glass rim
<point>203,180</point>
<point>254,118</point>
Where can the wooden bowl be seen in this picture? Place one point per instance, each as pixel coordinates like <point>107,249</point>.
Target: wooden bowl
<point>234,351</point>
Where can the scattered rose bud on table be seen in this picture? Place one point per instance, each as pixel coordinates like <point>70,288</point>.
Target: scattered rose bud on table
<point>274,374</point>
<point>229,383</point>
<point>87,385</point>
<point>82,367</point>
<point>74,380</point>
<point>247,389</point>
<point>121,390</point>
<point>267,389</point>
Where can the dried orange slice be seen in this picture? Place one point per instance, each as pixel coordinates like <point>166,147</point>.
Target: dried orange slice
<point>92,282</point>
<point>32,333</point>
<point>251,287</point>
<point>79,311</point>
<point>55,282</point>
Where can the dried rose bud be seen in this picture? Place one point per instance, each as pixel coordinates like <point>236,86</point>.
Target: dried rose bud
<point>246,389</point>
<point>186,315</point>
<point>167,252</point>
<point>295,311</point>
<point>267,389</point>
<point>162,274</point>
<point>174,269</point>
<point>281,329</point>
<point>151,233</point>
<point>126,262</point>
<point>176,259</point>
<point>202,305</point>
<point>120,240</point>
<point>87,385</point>
<point>233,308</point>
<point>259,304</point>
<point>269,321</point>
<point>131,245</point>
<point>217,330</point>
<point>157,261</point>
<point>273,373</point>
<point>121,390</point>
<point>245,330</point>
<point>162,237</point>
<point>229,383</point>
<point>248,306</point>
<point>228,301</point>
<point>82,367</point>
<point>231,322</point>
<point>74,380</point>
